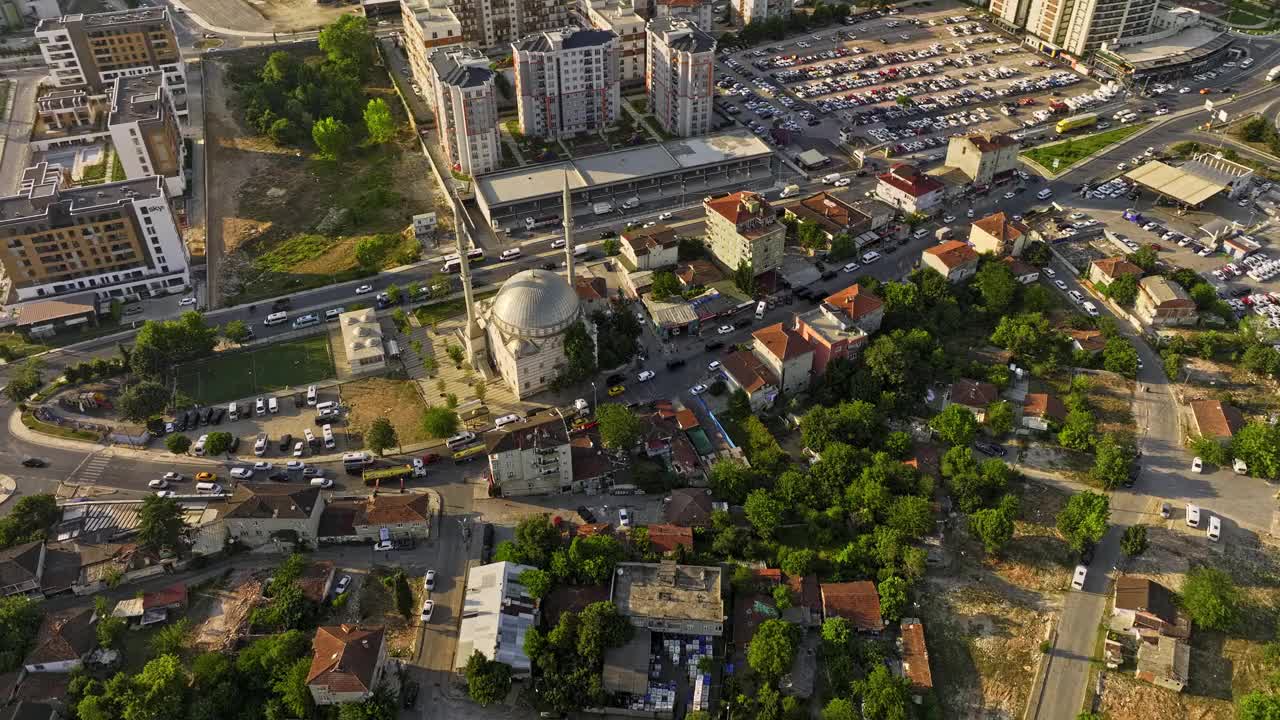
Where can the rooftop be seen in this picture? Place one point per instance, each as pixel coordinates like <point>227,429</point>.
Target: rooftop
<point>361,335</point>
<point>95,21</point>
<point>747,370</point>
<point>570,38</point>
<point>63,636</point>
<point>682,35</point>
<point>545,432</point>
<point>497,612</point>
<point>1165,294</point>
<point>829,212</point>
<point>915,656</point>
<point>973,393</point>
<point>953,253</point>
<point>137,98</point>
<point>43,311</point>
<point>910,180</point>
<point>1178,183</point>
<point>345,657</point>
<point>855,302</point>
<point>781,342</point>
<point>670,591</point>
<point>990,142</point>
<point>1044,405</point>
<point>1166,659</point>
<point>1216,420</point>
<point>747,210</point>
<point>42,196</point>
<point>1187,45</point>
<point>1143,595</point>
<point>461,67</point>
<point>666,538</point>
<point>644,240</point>
<point>1115,267</point>
<point>858,602</point>
<point>626,668</point>
<point>689,506</point>
<point>1089,340</point>
<point>1001,227</point>
<point>261,501</point>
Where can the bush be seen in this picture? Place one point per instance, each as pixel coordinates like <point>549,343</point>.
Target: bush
<point>178,444</point>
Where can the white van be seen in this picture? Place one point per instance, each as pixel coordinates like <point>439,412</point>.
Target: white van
<point>1193,515</point>
<point>1045,194</point>
<point>311,395</point>
<point>208,487</point>
<point>828,179</point>
<point>327,432</point>
<point>273,405</point>
<point>322,482</point>
<point>233,412</point>
<point>760,309</point>
<point>506,420</point>
<point>198,448</point>
<point>276,318</point>
<point>1090,308</point>
<point>1215,528</point>
<point>327,407</point>
<point>460,440</point>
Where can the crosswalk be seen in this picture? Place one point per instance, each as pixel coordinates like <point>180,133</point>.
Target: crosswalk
<point>90,470</point>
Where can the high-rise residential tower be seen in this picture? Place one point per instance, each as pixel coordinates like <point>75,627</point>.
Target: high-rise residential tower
<point>680,76</point>
<point>567,82</point>
<point>466,108</point>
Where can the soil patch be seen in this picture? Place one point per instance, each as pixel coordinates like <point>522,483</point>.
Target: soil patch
<point>226,615</point>
<point>396,400</point>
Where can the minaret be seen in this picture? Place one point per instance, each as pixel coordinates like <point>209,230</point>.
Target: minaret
<point>472,335</point>
<point>568,233</point>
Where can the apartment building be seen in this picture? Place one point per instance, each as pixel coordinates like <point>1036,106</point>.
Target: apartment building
<point>984,157</point>
<point>114,239</point>
<point>698,12</point>
<point>428,24</point>
<point>464,99</point>
<point>490,23</point>
<point>531,459</point>
<point>1079,27</point>
<point>144,131</point>
<point>680,79</point>
<point>567,81</point>
<point>746,11</point>
<point>741,227</point>
<point>93,50</point>
<point>621,17</point>
<point>909,190</point>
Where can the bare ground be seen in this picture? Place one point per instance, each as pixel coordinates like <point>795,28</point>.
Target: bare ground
<point>228,613</point>
<point>396,400</point>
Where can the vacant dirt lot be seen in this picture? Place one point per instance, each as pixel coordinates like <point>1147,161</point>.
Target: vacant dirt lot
<point>396,400</point>
<point>228,612</point>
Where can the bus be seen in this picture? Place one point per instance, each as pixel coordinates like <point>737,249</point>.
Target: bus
<point>356,462</point>
<point>387,475</point>
<point>469,454</point>
<point>1076,121</point>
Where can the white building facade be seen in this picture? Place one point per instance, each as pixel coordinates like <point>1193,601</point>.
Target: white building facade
<point>680,79</point>
<point>144,131</point>
<point>567,82</point>
<point>465,103</point>
<point>621,17</point>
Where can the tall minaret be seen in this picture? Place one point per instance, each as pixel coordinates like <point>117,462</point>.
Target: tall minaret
<point>568,232</point>
<point>472,335</point>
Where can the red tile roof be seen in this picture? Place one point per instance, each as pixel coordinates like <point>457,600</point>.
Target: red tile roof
<point>1215,420</point>
<point>644,240</point>
<point>393,509</point>
<point>856,302</point>
<point>829,212</point>
<point>345,657</point>
<point>1019,268</point>
<point>666,538</point>
<point>910,180</point>
<point>915,657</point>
<point>591,288</point>
<point>589,529</point>
<point>740,207</point>
<point>990,142</point>
<point>1114,267</point>
<point>973,393</point>
<point>172,595</point>
<point>805,592</point>
<point>698,272</point>
<point>748,371</point>
<point>1000,227</point>
<point>685,419</point>
<point>953,253</point>
<point>1044,405</point>
<point>858,602</point>
<point>63,636</point>
<point>782,342</point>
<point>1090,340</point>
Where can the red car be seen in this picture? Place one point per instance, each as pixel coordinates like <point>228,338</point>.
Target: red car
<point>430,458</point>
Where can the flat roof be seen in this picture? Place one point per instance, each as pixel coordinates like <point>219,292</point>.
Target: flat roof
<point>1188,45</point>
<point>668,590</point>
<point>1175,182</point>
<point>527,183</point>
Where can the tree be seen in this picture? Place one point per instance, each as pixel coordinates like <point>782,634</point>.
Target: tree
<point>381,435</point>
<point>1258,444</point>
<point>841,709</point>
<point>25,382</point>
<point>1123,290</point>
<point>744,278</point>
<point>1210,451</point>
<point>1084,519</point>
<point>993,528</point>
<point>619,427</point>
<point>217,443</point>
<point>955,425</point>
<point>1134,540</point>
<point>601,627</point>
<point>593,558</point>
<point>394,294</point>
<point>911,516</point>
<point>893,597</point>
<point>1145,258</point>
<point>535,540</point>
<point>1258,705</point>
<point>236,331</point>
<point>732,480</point>
<point>30,518</point>
<point>348,41</point>
<point>773,648</point>
<point>579,353</point>
<point>19,621</point>
<point>439,422</point>
<point>177,444</point>
<point>378,121</point>
<point>1119,356</point>
<point>1211,598</point>
<point>1028,335</point>
<point>665,285</point>
<point>884,697</point>
<point>161,345</point>
<point>764,512</point>
<point>739,405</point>
<point>1078,429</point>
<point>332,137</point>
<point>999,418</point>
<point>487,681</point>
<point>1112,461</point>
<point>109,627</point>
<point>160,523</point>
<point>537,582</point>
<point>797,562</point>
<point>997,285</point>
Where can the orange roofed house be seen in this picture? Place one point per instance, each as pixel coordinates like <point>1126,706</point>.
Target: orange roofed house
<point>974,396</point>
<point>742,228</point>
<point>1214,420</point>
<point>788,355</point>
<point>1108,270</point>
<point>999,235</point>
<point>347,663</point>
<point>831,214</point>
<point>650,248</point>
<point>915,657</point>
<point>1040,411</point>
<point>748,373</point>
<point>841,325</point>
<point>858,602</point>
<point>953,260</point>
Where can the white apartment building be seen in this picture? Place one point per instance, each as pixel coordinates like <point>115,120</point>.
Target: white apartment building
<point>567,82</point>
<point>742,227</point>
<point>144,131</point>
<point>428,24</point>
<point>464,99</point>
<point>698,12</point>
<point>94,50</point>
<point>681,77</point>
<point>1079,27</point>
<point>114,239</point>
<point>532,458</point>
<point>746,11</point>
<point>621,17</point>
<point>490,23</point>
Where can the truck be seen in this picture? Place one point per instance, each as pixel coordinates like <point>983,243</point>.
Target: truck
<point>790,190</point>
<point>1076,121</point>
<point>1274,73</point>
<point>632,202</point>
<point>385,475</point>
<point>533,223</point>
<point>602,208</point>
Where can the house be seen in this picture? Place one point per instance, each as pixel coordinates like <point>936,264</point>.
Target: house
<point>861,307</point>
<point>1166,663</point>
<point>831,215</point>
<point>698,273</point>
<point>742,228</point>
<point>651,248</point>
<point>915,657</point>
<point>984,157</point>
<point>690,507</point>
<point>1163,302</point>
<point>361,519</point>
<point>152,607</point>
<point>260,514</point>
<point>670,598</point>
<point>317,579</point>
<point>909,190</point>
<point>497,613</point>
<point>806,601</point>
<point>666,538</point>
<point>1214,420</point>
<point>973,395</point>
<point>1108,270</point>
<point>1090,341</point>
<point>1147,610</point>
<point>663,438</point>
<point>841,325</point>
<point>858,602</point>
<point>593,292</point>
<point>753,605</point>
<point>787,354</point>
<point>531,458</point>
<point>999,235</point>
<point>347,663</point>
<point>953,260</point>
<point>86,566</point>
<point>747,373</point>
<point>592,467</point>
<point>1041,411</point>
<point>63,641</point>
<point>1024,273</point>
<point>21,568</point>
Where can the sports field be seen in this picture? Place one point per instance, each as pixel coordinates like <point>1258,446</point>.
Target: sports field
<point>235,375</point>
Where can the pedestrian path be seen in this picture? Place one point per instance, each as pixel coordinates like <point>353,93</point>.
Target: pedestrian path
<point>90,471</point>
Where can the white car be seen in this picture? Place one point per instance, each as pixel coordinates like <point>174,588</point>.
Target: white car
<point>713,366</point>
<point>850,267</point>
<point>186,301</point>
<point>1049,272</point>
<point>430,581</point>
<point>158,484</point>
<point>698,389</point>
<point>344,582</point>
<point>557,243</point>
<point>1077,578</point>
<point>870,257</point>
<point>428,607</point>
<point>242,473</point>
<point>949,218</point>
<point>624,518</point>
<point>1061,285</point>
<point>166,493</point>
<point>1122,166</point>
<point>665,216</point>
<point>294,466</point>
<point>364,289</point>
<point>260,407</point>
<point>262,466</point>
<point>173,477</point>
<point>1197,465</point>
<point>1009,196</point>
<point>724,329</point>
<point>647,375</point>
<point>842,182</point>
<point>969,213</point>
<point>1076,297</point>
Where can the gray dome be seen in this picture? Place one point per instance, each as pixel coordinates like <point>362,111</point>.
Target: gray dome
<point>535,303</point>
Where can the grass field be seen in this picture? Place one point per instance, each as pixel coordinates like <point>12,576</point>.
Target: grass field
<point>1073,150</point>
<point>57,430</point>
<point>235,375</point>
<point>445,309</point>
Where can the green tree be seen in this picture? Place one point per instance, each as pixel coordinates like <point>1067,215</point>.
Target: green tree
<point>884,697</point>
<point>332,137</point>
<point>1083,521</point>
<point>110,628</point>
<point>1111,461</point>
<point>349,42</point>
<point>1123,290</point>
<point>1134,540</point>
<point>19,621</point>
<point>394,294</point>
<point>999,418</point>
<point>580,354</point>
<point>1211,598</point>
<point>161,345</point>
<point>218,442</point>
<point>594,558</point>
<point>537,582</point>
<point>177,444</point>
<point>142,400</point>
<point>893,597</point>
<point>1078,430</point>
<point>773,648</point>
<point>172,638</point>
<point>1119,356</point>
<point>381,436</point>
<point>158,691</point>
<point>955,425</point>
<point>1028,335</point>
<point>744,278</point>
<point>1258,705</point>
<point>1258,444</point>
<point>488,681</point>
<point>997,286</point>
<point>378,121</point>
<point>439,422</point>
<point>619,427</point>
<point>739,405</point>
<point>993,528</point>
<point>841,709</point>
<point>665,285</point>
<point>28,521</point>
<point>1144,258</point>
<point>1210,451</point>
<point>764,512</point>
<point>25,382</point>
<point>911,516</point>
<point>797,562</point>
<point>535,540</point>
<point>160,523</point>
<point>731,480</point>
<point>236,331</point>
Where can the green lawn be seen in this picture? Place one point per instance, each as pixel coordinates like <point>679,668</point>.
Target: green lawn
<point>1072,150</point>
<point>236,375</point>
<point>445,309</point>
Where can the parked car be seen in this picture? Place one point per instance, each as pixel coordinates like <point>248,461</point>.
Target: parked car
<point>344,582</point>
<point>585,513</point>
